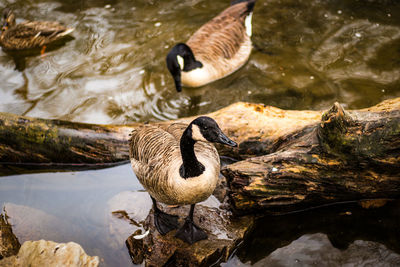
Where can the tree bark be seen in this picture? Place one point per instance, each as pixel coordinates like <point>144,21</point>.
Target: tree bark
<point>288,159</point>
<point>346,156</point>
<point>224,235</point>
<point>28,143</point>
<point>9,244</point>
<point>27,140</point>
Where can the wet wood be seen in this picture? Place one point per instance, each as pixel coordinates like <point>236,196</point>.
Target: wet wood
<point>224,235</point>
<point>345,156</point>
<point>288,161</point>
<point>27,142</point>
<point>293,159</point>
<point>9,244</point>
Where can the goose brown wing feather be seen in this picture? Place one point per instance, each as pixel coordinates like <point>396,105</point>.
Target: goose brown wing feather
<point>222,36</point>
<point>151,142</point>
<point>154,147</point>
<point>175,129</point>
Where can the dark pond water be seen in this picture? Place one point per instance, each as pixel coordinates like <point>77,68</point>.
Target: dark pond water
<point>307,54</point>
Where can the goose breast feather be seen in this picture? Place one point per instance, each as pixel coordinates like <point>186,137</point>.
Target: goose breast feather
<point>156,159</point>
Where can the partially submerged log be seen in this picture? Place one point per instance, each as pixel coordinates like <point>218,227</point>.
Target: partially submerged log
<point>289,160</point>
<point>224,235</point>
<point>294,158</point>
<point>346,156</point>
<point>26,141</point>
<point>9,244</point>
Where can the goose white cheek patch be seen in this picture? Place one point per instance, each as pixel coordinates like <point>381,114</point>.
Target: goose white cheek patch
<point>247,24</point>
<point>180,61</point>
<point>196,134</point>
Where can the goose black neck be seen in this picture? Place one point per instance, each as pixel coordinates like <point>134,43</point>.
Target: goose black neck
<point>191,167</point>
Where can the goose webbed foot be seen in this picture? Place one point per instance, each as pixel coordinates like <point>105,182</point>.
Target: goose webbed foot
<point>190,232</point>
<point>165,222</point>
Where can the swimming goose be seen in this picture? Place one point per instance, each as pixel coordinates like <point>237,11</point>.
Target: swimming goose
<point>178,165</point>
<point>29,34</point>
<point>218,48</point>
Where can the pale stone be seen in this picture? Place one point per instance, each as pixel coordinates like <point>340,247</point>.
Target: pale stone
<point>48,253</point>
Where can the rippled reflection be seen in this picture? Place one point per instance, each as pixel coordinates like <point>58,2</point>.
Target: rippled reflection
<point>307,55</point>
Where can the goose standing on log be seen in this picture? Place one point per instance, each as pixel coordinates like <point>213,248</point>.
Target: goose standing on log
<point>29,34</point>
<point>178,165</point>
<point>218,48</point>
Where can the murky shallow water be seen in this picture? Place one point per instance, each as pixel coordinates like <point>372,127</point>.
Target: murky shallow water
<point>78,206</point>
<point>307,55</point>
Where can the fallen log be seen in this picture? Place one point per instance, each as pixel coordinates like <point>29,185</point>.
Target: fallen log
<point>288,161</point>
<point>26,141</point>
<point>346,156</point>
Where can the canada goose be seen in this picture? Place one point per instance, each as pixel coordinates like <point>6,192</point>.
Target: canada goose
<point>29,34</point>
<point>218,48</point>
<point>177,165</point>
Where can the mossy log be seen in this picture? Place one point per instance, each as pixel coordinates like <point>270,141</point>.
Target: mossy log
<point>28,140</point>
<point>287,158</point>
<point>32,143</point>
<point>345,156</point>
<point>257,128</point>
<point>287,161</point>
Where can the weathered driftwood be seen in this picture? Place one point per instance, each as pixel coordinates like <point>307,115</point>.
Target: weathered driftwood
<point>224,235</point>
<point>289,160</point>
<point>304,157</point>
<point>30,142</point>
<point>347,155</point>
<point>9,244</point>
<point>26,141</point>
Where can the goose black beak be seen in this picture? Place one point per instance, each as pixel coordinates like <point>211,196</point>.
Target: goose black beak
<point>223,139</point>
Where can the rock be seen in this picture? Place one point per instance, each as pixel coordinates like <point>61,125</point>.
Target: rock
<point>224,235</point>
<point>310,249</point>
<point>48,253</point>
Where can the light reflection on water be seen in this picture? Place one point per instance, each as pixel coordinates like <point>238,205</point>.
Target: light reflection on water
<point>74,206</point>
<point>85,207</point>
<point>307,55</point>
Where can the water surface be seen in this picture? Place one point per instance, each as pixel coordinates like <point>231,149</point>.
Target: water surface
<point>88,207</point>
<point>307,54</point>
